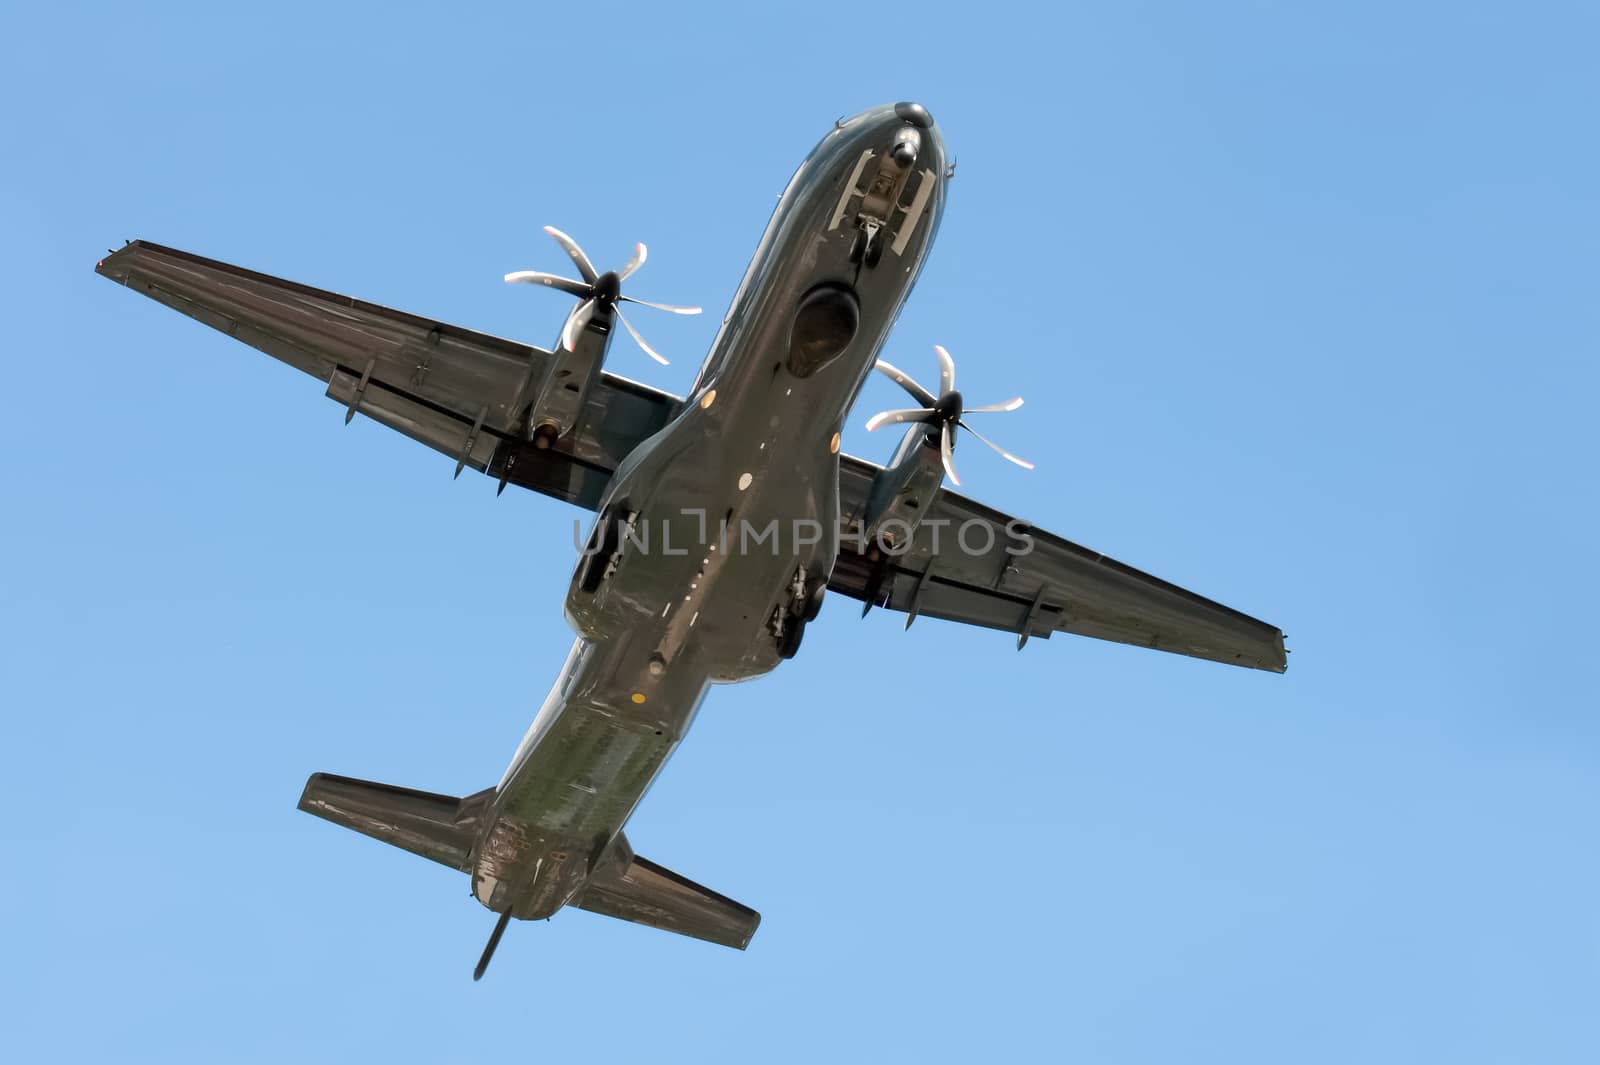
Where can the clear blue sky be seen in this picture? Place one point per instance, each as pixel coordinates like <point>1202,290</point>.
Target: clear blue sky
<point>1303,302</point>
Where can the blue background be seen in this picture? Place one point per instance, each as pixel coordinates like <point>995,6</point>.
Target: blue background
<point>1302,299</point>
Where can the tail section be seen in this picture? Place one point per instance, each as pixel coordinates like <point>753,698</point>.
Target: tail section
<point>444,829</point>
<point>638,890</point>
<point>438,827</point>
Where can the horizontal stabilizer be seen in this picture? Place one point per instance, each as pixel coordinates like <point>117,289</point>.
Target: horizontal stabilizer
<point>438,827</point>
<point>636,889</point>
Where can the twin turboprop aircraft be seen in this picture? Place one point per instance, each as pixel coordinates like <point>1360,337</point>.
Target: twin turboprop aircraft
<point>753,447</point>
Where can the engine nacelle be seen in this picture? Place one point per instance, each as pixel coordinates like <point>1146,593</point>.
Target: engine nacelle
<point>903,490</point>
<point>559,403</point>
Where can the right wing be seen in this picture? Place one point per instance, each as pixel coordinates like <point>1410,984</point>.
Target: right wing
<point>460,392</point>
<point>980,570</point>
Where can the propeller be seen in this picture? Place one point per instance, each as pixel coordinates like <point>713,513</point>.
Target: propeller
<point>596,290</point>
<point>945,410</point>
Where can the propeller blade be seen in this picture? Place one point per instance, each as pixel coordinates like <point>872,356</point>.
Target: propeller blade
<point>897,417</point>
<point>580,260</point>
<point>637,339</point>
<point>576,322</point>
<point>640,253</point>
<point>947,370</point>
<point>899,377</point>
<point>539,277</point>
<point>995,408</point>
<point>1024,463</point>
<point>946,445</point>
<point>668,307</point>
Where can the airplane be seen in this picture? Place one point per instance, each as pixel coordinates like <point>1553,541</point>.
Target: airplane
<point>722,518</point>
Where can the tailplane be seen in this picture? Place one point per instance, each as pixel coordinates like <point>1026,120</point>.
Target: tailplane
<point>438,827</point>
<point>445,829</point>
<point>636,889</point>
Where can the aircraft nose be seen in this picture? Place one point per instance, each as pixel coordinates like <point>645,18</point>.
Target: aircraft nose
<point>916,128</point>
<point>904,132</point>
<point>914,114</point>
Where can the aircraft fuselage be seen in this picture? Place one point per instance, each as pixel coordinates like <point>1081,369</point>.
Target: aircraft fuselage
<point>717,533</point>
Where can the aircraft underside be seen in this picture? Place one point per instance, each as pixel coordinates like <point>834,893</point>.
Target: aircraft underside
<point>670,595</point>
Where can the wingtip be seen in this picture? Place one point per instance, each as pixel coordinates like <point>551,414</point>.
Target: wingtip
<point>306,793</point>
<point>107,265</point>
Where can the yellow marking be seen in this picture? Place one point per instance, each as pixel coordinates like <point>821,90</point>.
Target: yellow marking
<point>833,445</point>
<point>638,697</point>
<point>708,399</point>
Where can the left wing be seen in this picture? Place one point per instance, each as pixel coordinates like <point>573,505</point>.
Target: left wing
<point>989,569</point>
<point>461,392</point>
